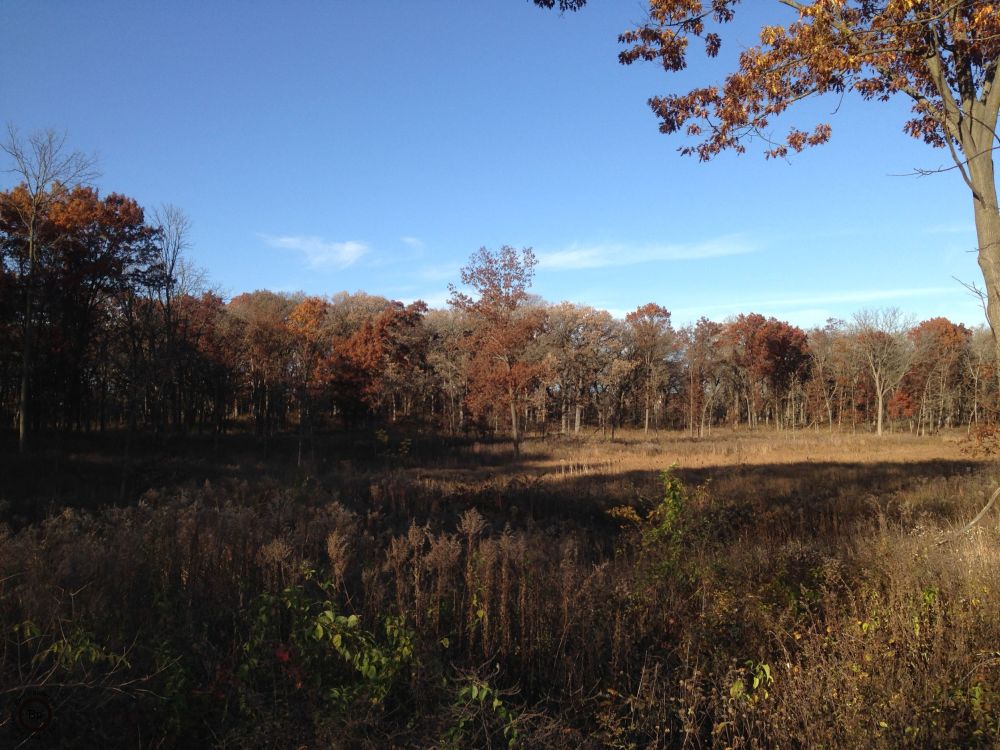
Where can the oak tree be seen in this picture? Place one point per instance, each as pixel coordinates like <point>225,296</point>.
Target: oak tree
<point>940,348</point>
<point>504,325</point>
<point>652,338</point>
<point>385,357</point>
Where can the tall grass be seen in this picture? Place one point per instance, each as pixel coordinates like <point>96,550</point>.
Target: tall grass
<point>742,603</point>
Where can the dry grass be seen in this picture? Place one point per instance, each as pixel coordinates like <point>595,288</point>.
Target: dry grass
<point>805,590</point>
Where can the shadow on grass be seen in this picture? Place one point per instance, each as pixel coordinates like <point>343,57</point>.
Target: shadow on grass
<point>406,479</point>
<point>89,471</point>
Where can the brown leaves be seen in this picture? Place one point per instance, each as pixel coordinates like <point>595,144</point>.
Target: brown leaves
<point>498,369</point>
<point>878,48</point>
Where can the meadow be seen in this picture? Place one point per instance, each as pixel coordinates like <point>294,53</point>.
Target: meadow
<point>748,589</point>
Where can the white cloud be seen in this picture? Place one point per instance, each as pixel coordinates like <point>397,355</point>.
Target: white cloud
<point>861,296</point>
<point>415,243</point>
<point>320,253</point>
<point>618,254</point>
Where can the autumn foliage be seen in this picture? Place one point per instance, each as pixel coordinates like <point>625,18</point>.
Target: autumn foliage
<point>114,351</point>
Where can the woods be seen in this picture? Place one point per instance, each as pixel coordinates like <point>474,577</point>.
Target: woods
<point>116,339</point>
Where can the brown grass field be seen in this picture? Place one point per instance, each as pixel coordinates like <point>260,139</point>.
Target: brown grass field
<point>792,589</point>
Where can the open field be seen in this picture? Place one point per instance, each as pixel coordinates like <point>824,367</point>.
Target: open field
<point>790,589</point>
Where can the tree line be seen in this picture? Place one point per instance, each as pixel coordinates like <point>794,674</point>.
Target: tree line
<point>105,321</point>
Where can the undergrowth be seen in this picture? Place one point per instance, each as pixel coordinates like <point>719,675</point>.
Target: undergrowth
<point>746,612</point>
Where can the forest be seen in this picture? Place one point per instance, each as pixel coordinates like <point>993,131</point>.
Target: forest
<point>127,335</point>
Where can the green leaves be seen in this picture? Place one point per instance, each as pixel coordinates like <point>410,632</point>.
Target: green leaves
<point>331,651</point>
<point>754,685</point>
<point>479,703</point>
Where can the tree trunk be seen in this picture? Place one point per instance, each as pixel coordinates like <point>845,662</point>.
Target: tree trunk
<point>879,398</point>
<point>988,237</point>
<point>977,137</point>
<point>513,423</point>
<point>691,403</point>
<point>27,351</point>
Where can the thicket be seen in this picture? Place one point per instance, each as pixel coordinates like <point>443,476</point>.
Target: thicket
<point>766,607</point>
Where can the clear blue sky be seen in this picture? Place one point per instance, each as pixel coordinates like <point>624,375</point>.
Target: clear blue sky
<point>374,145</point>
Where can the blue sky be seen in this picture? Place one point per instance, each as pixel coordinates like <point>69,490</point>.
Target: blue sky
<point>376,144</point>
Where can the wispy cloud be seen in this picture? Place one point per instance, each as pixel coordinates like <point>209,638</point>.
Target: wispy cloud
<point>859,296</point>
<point>619,254</point>
<point>414,242</point>
<point>319,253</point>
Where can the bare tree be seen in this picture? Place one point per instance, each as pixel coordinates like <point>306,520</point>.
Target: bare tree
<point>184,277</point>
<point>981,367</point>
<point>46,172</point>
<point>883,347</point>
<point>174,228</point>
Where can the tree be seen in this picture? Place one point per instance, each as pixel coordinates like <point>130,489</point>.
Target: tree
<point>503,330</point>
<point>563,5</point>
<point>384,359</point>
<point>701,355</point>
<point>768,357</point>
<point>575,341</point>
<point>786,366</point>
<point>46,171</point>
<point>616,380</point>
<point>448,363</point>
<point>932,382</point>
<point>90,253</point>
<point>981,370</point>
<point>653,340</point>
<point>940,54</point>
<point>105,258</point>
<point>266,343</point>
<point>205,359</point>
<point>827,349</point>
<point>309,345</point>
<point>180,278</point>
<point>880,336</point>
